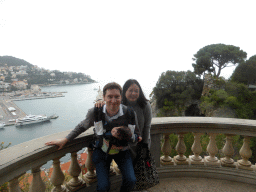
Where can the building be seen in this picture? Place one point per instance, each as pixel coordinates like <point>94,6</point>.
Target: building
<point>20,85</point>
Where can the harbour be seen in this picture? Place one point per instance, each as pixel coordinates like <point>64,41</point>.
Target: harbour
<point>9,111</point>
<point>71,108</point>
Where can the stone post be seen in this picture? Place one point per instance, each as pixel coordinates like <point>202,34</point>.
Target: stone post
<point>196,159</point>
<point>245,153</point>
<point>57,177</point>
<point>90,176</point>
<point>74,170</point>
<point>14,185</point>
<point>228,150</point>
<point>166,149</point>
<point>37,182</point>
<point>181,159</point>
<point>212,150</point>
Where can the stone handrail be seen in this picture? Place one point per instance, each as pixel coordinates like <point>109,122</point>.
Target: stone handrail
<point>31,155</point>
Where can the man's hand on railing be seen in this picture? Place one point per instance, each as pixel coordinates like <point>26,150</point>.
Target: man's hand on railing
<point>59,142</point>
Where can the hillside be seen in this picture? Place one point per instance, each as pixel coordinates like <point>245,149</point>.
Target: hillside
<point>17,70</point>
<point>13,61</point>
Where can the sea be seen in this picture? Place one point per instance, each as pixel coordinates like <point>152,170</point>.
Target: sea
<point>71,109</point>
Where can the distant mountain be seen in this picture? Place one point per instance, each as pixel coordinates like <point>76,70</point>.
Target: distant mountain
<point>12,61</point>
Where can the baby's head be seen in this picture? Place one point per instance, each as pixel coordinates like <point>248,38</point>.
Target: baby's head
<point>124,133</point>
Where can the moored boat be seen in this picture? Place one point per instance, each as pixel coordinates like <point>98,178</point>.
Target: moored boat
<point>2,124</point>
<point>30,119</point>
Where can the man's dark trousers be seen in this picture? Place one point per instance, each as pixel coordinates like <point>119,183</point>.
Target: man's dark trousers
<point>124,161</point>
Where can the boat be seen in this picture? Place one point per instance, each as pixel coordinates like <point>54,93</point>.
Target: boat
<point>2,124</point>
<point>30,119</point>
<point>54,116</point>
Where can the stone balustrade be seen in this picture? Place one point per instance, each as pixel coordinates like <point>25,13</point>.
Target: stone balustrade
<point>32,155</point>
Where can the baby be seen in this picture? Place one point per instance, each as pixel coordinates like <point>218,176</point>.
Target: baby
<point>116,140</point>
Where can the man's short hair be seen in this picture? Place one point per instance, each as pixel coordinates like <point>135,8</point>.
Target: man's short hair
<point>110,86</point>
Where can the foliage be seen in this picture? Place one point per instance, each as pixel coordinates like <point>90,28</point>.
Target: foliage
<point>236,96</point>
<point>174,89</point>
<point>3,147</point>
<point>9,60</point>
<point>213,58</point>
<point>245,72</point>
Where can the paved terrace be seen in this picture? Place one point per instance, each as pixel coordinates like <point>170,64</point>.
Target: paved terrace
<point>179,173</point>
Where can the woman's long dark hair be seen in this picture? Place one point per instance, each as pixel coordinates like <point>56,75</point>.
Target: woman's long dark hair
<point>142,101</point>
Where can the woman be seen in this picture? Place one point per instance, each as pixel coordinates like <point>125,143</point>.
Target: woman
<point>133,96</point>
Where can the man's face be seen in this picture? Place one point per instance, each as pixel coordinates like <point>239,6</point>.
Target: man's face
<point>113,100</point>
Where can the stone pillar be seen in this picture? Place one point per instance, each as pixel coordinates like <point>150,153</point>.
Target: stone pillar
<point>245,153</point>
<point>196,159</point>
<point>228,150</point>
<point>166,149</point>
<point>37,182</point>
<point>90,176</point>
<point>112,169</point>
<point>180,159</point>
<point>155,147</point>
<point>212,150</point>
<point>115,167</point>
<point>57,177</point>
<point>74,170</point>
<point>14,185</point>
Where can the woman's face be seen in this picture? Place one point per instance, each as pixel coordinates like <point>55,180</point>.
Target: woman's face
<point>132,93</point>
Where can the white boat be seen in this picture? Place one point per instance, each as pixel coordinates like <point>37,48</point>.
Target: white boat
<point>30,119</point>
<point>2,124</point>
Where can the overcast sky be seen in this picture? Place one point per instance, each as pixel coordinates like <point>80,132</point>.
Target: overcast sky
<point>118,40</point>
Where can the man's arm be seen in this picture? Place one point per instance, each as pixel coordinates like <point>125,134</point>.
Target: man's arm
<point>82,126</point>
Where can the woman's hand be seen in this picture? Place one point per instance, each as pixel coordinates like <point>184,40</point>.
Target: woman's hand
<point>139,139</point>
<point>59,142</point>
<point>99,103</point>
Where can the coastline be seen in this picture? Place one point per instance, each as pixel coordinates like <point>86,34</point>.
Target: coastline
<point>49,85</point>
<point>6,102</point>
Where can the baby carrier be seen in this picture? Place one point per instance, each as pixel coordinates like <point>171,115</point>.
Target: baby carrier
<point>103,127</point>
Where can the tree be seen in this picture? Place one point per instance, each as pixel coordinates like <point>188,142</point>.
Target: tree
<point>245,72</point>
<point>174,89</point>
<point>213,58</point>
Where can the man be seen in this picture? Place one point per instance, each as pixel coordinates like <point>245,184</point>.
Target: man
<point>114,114</point>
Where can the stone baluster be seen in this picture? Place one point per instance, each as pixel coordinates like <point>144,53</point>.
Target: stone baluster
<point>14,185</point>
<point>90,176</point>
<point>74,170</point>
<point>115,168</point>
<point>228,151</point>
<point>245,153</point>
<point>181,159</point>
<point>57,177</point>
<point>166,149</point>
<point>112,169</point>
<point>212,149</point>
<point>37,183</point>
<point>196,159</point>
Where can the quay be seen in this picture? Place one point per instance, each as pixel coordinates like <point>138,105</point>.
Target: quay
<point>6,102</point>
<point>7,115</point>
